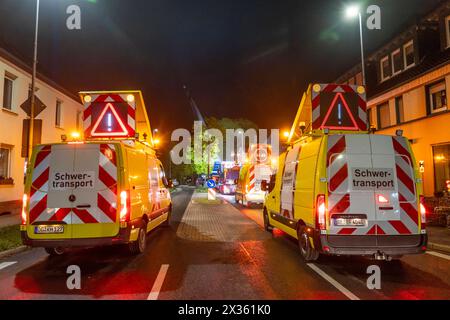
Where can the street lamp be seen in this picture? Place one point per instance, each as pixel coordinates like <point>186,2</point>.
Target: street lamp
<point>353,12</point>
<point>33,84</point>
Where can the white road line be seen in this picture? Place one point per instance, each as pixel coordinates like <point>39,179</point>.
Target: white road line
<point>4,265</point>
<point>336,284</point>
<point>440,255</point>
<point>154,293</point>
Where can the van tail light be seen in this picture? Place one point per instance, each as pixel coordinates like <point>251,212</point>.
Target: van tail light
<point>124,206</point>
<point>321,212</point>
<point>24,209</point>
<point>423,212</point>
<point>382,199</point>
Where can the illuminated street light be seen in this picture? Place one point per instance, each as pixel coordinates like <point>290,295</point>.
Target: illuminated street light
<point>353,12</point>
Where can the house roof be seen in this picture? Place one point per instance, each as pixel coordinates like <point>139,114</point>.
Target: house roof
<point>14,59</point>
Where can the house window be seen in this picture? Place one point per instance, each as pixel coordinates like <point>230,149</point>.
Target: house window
<point>384,115</point>
<point>399,110</point>
<point>385,68</point>
<point>408,54</point>
<point>396,62</point>
<point>438,97</point>
<point>5,157</point>
<point>441,157</point>
<point>58,113</point>
<point>8,92</point>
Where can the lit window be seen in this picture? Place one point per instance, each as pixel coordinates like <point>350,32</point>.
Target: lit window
<point>399,110</point>
<point>441,156</point>
<point>396,62</point>
<point>385,68</point>
<point>384,115</point>
<point>408,54</point>
<point>8,92</point>
<point>438,97</point>
<point>5,158</point>
<point>58,113</point>
<point>447,29</point>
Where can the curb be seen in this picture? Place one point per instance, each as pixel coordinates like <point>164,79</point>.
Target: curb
<point>13,251</point>
<point>440,247</point>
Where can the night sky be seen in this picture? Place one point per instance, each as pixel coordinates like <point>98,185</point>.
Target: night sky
<point>243,58</point>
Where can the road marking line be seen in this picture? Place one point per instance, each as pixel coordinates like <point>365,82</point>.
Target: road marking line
<point>440,255</point>
<point>336,284</point>
<point>154,293</point>
<point>4,265</point>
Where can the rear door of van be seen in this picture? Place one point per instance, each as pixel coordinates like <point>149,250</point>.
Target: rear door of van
<point>75,185</point>
<point>371,189</point>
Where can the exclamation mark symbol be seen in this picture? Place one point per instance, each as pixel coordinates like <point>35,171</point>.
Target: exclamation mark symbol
<point>339,113</point>
<point>109,122</point>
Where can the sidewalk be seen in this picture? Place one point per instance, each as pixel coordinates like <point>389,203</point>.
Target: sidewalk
<point>439,238</point>
<point>216,221</point>
<point>9,220</point>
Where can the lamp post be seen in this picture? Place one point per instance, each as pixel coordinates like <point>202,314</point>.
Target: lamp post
<point>352,12</point>
<point>33,84</point>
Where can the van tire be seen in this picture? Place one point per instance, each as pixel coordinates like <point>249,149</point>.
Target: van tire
<point>267,225</point>
<point>55,252</point>
<point>139,246</point>
<point>306,250</point>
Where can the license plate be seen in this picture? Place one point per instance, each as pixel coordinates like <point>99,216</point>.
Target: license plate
<point>350,220</point>
<point>50,229</point>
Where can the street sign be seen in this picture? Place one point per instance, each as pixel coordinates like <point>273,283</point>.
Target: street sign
<point>114,115</point>
<point>211,183</point>
<point>39,106</point>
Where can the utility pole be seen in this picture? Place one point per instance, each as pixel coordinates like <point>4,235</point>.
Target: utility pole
<point>33,84</point>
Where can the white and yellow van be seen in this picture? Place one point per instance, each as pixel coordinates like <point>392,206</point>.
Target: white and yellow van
<point>91,194</point>
<point>95,192</point>
<point>347,192</point>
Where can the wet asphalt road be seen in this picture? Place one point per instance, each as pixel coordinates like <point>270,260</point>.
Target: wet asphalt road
<point>255,265</point>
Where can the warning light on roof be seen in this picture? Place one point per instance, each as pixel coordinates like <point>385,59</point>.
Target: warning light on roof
<point>87,98</point>
<point>316,88</point>
<point>75,135</point>
<point>130,98</point>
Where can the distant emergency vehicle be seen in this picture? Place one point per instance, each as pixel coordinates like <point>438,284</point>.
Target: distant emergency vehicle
<point>227,183</point>
<point>108,188</point>
<point>341,190</point>
<point>258,169</point>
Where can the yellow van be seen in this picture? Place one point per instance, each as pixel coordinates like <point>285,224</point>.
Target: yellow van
<point>92,194</point>
<point>346,191</point>
<point>96,192</point>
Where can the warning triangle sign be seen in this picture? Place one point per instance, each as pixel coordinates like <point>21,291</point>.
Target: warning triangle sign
<point>339,115</point>
<point>109,124</point>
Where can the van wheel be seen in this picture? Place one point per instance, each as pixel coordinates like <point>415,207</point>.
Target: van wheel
<point>55,252</point>
<point>169,216</point>
<point>267,225</point>
<point>307,251</point>
<point>138,246</point>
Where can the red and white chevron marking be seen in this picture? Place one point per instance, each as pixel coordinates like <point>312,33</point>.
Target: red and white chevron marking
<point>360,118</point>
<point>88,122</point>
<point>104,212</point>
<point>337,168</point>
<point>251,179</point>
<point>409,214</point>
